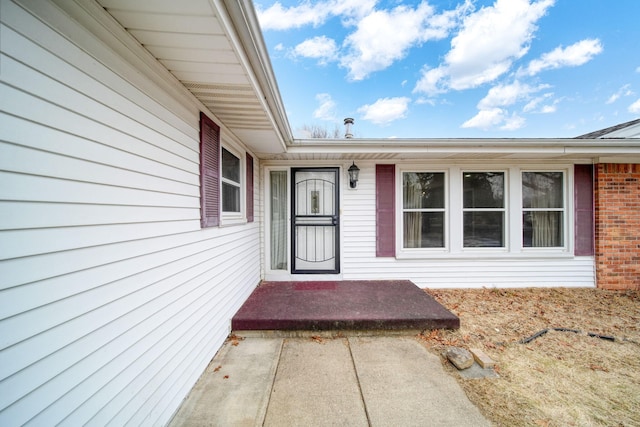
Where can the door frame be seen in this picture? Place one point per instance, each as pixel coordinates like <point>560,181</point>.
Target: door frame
<point>335,222</point>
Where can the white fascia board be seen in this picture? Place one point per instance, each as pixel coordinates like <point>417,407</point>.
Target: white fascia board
<point>558,146</point>
<point>240,19</point>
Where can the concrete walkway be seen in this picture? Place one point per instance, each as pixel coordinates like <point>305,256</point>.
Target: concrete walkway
<point>355,381</point>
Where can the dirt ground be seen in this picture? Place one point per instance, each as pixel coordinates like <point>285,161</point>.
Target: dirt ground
<point>559,378</point>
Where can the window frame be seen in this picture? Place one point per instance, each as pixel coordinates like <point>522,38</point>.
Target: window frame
<point>567,210</point>
<point>504,209</point>
<point>230,182</point>
<point>266,183</point>
<point>513,213</point>
<point>232,217</point>
<point>401,211</point>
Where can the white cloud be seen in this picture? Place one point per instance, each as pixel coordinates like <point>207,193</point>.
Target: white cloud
<point>623,91</point>
<point>491,113</point>
<point>384,36</point>
<point>488,43</point>
<point>428,101</point>
<point>532,105</point>
<point>486,119</point>
<point>327,108</point>
<point>635,107</point>
<point>514,122</point>
<point>429,82</point>
<point>385,110</point>
<point>504,95</point>
<point>277,17</point>
<point>494,117</point>
<point>577,54</point>
<point>381,36</point>
<point>551,108</point>
<point>322,48</point>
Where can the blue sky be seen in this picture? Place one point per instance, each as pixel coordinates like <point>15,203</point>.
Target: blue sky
<point>455,69</point>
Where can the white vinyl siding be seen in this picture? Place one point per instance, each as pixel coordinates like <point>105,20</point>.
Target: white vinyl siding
<point>460,269</point>
<point>113,300</point>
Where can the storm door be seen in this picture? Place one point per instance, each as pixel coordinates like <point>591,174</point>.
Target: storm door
<point>315,221</point>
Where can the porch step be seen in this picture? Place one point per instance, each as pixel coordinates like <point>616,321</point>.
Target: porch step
<point>340,308</point>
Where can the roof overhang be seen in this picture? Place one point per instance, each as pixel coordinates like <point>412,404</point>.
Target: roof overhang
<point>216,50</point>
<point>558,149</point>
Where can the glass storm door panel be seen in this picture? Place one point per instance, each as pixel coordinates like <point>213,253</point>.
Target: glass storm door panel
<point>315,225</point>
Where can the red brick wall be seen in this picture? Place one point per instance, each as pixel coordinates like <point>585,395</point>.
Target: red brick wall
<point>617,212</point>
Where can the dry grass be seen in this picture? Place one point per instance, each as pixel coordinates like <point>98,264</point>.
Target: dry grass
<point>560,378</point>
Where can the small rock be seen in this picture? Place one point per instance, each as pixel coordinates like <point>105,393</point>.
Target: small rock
<point>460,357</point>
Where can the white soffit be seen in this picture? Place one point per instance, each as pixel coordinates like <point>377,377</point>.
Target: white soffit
<point>190,38</point>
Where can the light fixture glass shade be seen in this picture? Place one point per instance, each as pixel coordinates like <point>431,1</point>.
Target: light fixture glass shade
<point>354,171</point>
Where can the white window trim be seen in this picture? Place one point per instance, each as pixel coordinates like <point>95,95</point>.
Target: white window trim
<point>234,218</point>
<point>513,247</point>
<point>420,252</point>
<point>460,171</point>
<point>271,274</point>
<point>568,210</point>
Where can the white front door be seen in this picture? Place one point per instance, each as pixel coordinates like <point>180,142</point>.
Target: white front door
<point>316,222</point>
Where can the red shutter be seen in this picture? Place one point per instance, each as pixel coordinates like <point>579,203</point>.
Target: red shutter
<point>209,172</point>
<point>583,202</point>
<point>385,210</point>
<point>249,188</point>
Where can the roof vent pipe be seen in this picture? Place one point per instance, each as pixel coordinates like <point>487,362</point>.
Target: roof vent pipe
<point>348,122</point>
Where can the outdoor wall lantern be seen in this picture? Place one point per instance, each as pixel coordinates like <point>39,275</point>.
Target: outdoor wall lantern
<point>353,175</point>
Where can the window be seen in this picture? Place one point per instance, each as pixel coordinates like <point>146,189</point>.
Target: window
<point>226,180</point>
<point>542,209</point>
<point>423,209</point>
<point>464,211</point>
<point>230,182</point>
<point>483,209</point>
<point>278,224</point>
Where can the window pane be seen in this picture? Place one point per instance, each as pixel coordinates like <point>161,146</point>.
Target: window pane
<point>542,189</point>
<point>542,229</point>
<point>483,229</point>
<point>230,166</point>
<point>423,230</point>
<point>230,198</point>
<point>278,220</point>
<point>423,190</point>
<point>483,189</point>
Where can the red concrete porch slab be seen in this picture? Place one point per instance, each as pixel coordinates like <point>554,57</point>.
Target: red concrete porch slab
<point>384,305</point>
